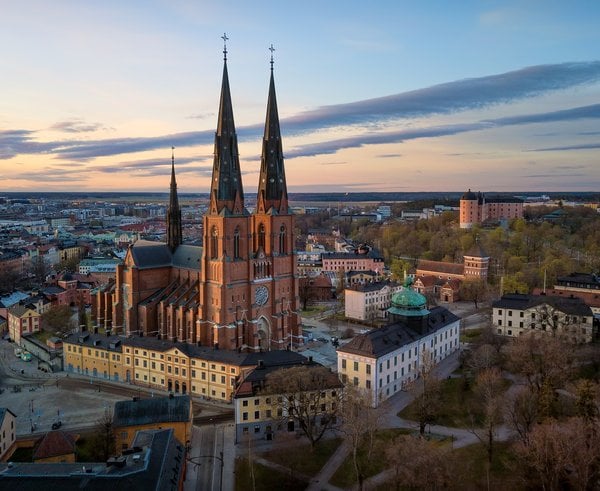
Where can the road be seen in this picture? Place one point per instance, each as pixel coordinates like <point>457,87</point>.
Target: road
<point>211,459</point>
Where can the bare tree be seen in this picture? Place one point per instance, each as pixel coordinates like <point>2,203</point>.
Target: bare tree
<point>521,412</point>
<point>419,464</point>
<point>544,361</point>
<point>309,395</point>
<point>360,422</point>
<point>483,357</point>
<point>57,318</point>
<point>306,291</point>
<point>104,437</point>
<point>475,290</point>
<point>427,391</point>
<point>561,454</point>
<point>489,389</point>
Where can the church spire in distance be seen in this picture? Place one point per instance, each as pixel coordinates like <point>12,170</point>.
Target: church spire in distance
<point>272,188</point>
<point>174,233</point>
<point>226,192</point>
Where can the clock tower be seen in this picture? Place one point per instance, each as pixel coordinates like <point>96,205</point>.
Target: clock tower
<point>249,285</point>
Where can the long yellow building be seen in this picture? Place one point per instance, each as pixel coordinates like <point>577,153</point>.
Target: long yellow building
<point>180,368</point>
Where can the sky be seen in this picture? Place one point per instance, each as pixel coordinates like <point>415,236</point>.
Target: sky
<point>373,96</point>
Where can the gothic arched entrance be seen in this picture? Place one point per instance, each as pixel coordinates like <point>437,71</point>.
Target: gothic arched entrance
<point>264,334</point>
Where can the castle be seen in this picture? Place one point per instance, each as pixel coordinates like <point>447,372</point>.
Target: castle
<point>237,292</point>
<point>477,208</point>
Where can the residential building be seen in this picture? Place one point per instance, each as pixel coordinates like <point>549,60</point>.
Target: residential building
<point>8,432</point>
<point>385,360</point>
<point>367,302</point>
<point>22,320</point>
<point>55,446</point>
<point>569,318</point>
<point>152,414</point>
<point>156,461</point>
<point>263,414</point>
<point>478,208</point>
<point>362,259</point>
<point>181,368</point>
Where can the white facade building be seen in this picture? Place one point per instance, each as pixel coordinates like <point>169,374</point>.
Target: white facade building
<point>370,301</point>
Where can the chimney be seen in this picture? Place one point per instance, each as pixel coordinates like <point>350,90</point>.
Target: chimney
<point>261,364</point>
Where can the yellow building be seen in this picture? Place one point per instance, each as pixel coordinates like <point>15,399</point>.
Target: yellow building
<point>8,427</point>
<point>261,414</point>
<point>180,368</point>
<point>152,414</point>
<point>96,355</point>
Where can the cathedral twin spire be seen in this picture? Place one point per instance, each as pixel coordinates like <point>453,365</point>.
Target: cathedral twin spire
<point>174,229</point>
<point>227,194</point>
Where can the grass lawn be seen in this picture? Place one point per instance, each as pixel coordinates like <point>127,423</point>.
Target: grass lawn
<point>43,336</point>
<point>312,310</point>
<point>470,336</point>
<point>345,476</point>
<point>265,478</point>
<point>459,407</point>
<point>303,458</point>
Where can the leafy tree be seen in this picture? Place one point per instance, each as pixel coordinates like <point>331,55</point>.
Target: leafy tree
<point>474,290</point>
<point>57,318</point>
<point>104,437</point>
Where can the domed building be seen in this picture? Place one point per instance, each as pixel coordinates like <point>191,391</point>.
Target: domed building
<point>386,359</point>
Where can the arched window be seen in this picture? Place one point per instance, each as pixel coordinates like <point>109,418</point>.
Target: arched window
<point>261,235</point>
<point>214,243</point>
<point>282,249</point>
<point>236,243</point>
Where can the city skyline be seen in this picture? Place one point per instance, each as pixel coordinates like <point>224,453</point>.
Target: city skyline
<point>392,97</point>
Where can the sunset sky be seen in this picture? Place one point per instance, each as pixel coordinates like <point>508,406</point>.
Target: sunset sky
<point>373,96</point>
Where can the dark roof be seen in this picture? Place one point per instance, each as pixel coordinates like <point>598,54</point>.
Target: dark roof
<point>101,341</point>
<point>503,199</point>
<point>381,341</point>
<point>255,380</point>
<point>440,267</point>
<point>156,465</point>
<point>372,254</point>
<point>469,195</point>
<point>154,410</point>
<point>53,444</point>
<point>583,280</point>
<point>187,256</point>
<point>567,305</point>
<point>147,254</point>
<point>476,251</point>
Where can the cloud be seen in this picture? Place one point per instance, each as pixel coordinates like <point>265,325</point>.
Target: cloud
<point>473,93</point>
<point>388,155</point>
<point>539,176</point>
<point>445,98</point>
<point>76,126</point>
<point>583,146</point>
<point>333,163</point>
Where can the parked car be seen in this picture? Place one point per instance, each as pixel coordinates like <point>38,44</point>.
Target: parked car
<point>56,425</point>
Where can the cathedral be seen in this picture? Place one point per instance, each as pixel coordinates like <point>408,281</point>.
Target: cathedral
<point>237,292</point>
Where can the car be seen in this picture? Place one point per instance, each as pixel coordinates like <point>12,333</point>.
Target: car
<point>56,425</point>
<point>323,340</point>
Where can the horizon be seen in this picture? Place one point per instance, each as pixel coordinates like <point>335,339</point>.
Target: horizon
<point>98,94</point>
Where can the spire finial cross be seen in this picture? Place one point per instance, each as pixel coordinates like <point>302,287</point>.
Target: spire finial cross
<point>225,39</point>
<point>272,49</point>
<point>173,155</point>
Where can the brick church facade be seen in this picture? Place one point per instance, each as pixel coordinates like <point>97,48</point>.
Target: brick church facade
<point>237,292</point>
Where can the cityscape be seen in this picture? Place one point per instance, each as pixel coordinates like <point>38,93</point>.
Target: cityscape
<point>392,281</point>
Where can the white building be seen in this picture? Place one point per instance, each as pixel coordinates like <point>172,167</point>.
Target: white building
<point>384,360</point>
<point>370,301</point>
<point>569,318</point>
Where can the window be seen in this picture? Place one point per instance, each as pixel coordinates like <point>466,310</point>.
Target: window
<point>245,416</point>
<point>261,236</point>
<point>256,414</point>
<point>214,243</point>
<point>282,249</point>
<point>355,381</point>
<point>236,243</point>
<point>368,384</point>
<point>356,366</point>
<point>368,368</point>
<point>343,363</point>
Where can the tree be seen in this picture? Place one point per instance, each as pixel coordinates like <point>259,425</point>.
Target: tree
<point>309,395</point>
<point>521,413</point>
<point>360,422</point>
<point>483,358</point>
<point>306,291</point>
<point>419,464</point>
<point>57,319</point>
<point>104,437</point>
<point>39,269</point>
<point>489,389</point>
<point>474,290</point>
<point>8,278</point>
<point>427,391</point>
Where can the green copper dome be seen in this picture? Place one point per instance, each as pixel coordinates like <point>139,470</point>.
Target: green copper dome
<point>408,302</point>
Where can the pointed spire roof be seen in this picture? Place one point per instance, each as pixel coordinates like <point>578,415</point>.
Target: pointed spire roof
<point>272,188</point>
<point>226,186</point>
<point>174,231</point>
